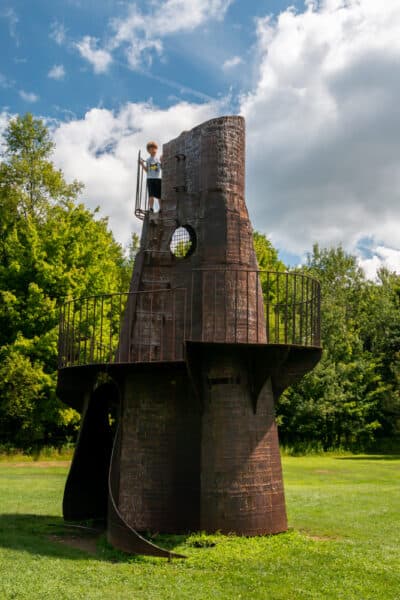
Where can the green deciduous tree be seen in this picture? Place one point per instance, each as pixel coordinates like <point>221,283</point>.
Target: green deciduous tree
<point>51,248</point>
<point>267,256</point>
<point>351,398</point>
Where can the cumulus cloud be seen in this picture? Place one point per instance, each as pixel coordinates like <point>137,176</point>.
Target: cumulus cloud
<point>28,96</point>
<point>383,257</point>
<point>99,59</point>
<point>232,62</point>
<point>101,151</point>
<point>140,33</point>
<point>56,72</point>
<point>323,126</point>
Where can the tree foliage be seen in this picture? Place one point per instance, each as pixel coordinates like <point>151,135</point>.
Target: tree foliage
<point>351,399</point>
<point>51,248</point>
<point>267,256</point>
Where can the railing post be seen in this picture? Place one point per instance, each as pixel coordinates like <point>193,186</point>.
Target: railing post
<point>73,335</point>
<point>277,310</point>
<point>118,355</point>
<point>301,309</point>
<point>294,309</point>
<point>141,190</point>
<point>173,324</point>
<point>215,306</point>
<point>191,306</point>
<point>312,327</point>
<point>60,336</point>
<point>101,326</point>
<point>137,199</point>
<point>79,332</point>
<point>267,307</point>
<point>151,325</point>
<point>247,306</point>
<point>202,306</point>
<point>184,320</point>
<point>307,313</point>
<point>236,303</point>
<point>286,307</point>
<point>225,310</point>
<point>258,286</point>
<point>110,353</point>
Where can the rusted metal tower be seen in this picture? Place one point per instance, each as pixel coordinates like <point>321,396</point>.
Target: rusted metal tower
<point>177,379</point>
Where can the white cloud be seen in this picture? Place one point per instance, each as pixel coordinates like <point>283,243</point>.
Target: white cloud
<point>28,96</point>
<point>56,72</point>
<point>4,120</point>
<point>168,17</point>
<point>141,51</point>
<point>140,33</point>
<point>98,58</point>
<point>383,257</point>
<point>58,33</point>
<point>232,62</point>
<point>101,151</point>
<point>323,126</point>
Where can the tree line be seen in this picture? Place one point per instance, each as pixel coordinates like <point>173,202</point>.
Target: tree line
<point>53,248</point>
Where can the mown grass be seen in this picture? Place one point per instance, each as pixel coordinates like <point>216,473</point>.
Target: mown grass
<point>343,542</point>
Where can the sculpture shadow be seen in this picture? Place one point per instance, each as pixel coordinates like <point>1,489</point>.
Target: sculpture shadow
<point>50,536</point>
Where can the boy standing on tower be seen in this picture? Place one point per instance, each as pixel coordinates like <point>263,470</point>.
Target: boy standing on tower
<point>152,166</point>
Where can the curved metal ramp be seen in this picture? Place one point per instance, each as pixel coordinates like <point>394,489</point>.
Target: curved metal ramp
<point>119,533</point>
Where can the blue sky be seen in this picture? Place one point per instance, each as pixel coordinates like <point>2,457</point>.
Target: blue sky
<point>317,81</point>
<point>37,35</point>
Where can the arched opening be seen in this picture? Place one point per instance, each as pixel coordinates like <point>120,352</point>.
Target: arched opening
<point>86,490</point>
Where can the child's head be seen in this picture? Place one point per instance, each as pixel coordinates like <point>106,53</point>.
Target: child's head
<point>152,148</point>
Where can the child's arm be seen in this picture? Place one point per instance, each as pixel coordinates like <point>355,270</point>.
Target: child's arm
<point>143,163</point>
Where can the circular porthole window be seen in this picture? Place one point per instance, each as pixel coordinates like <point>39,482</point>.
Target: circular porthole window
<point>183,242</point>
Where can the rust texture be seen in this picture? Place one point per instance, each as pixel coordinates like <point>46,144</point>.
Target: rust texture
<point>198,362</point>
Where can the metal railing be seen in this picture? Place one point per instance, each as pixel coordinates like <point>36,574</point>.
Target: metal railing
<point>220,305</point>
<point>292,308</point>
<point>232,312</point>
<point>123,328</point>
<point>142,198</point>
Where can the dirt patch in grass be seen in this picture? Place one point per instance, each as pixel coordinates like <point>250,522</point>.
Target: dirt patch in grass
<point>86,543</point>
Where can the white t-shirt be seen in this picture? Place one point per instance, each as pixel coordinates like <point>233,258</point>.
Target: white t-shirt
<point>153,167</point>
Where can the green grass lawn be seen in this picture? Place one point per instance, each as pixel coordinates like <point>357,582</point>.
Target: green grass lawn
<point>344,516</point>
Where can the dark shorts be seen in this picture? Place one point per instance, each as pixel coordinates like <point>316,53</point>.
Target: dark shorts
<point>154,187</point>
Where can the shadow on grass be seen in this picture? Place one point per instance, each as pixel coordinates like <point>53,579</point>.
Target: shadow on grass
<point>50,536</point>
<point>370,457</point>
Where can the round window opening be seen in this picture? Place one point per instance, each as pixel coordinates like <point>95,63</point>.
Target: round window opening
<point>183,242</point>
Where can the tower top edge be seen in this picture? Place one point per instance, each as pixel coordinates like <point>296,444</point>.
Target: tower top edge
<point>219,122</point>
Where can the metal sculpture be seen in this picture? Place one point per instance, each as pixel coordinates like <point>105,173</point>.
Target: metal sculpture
<point>177,378</point>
